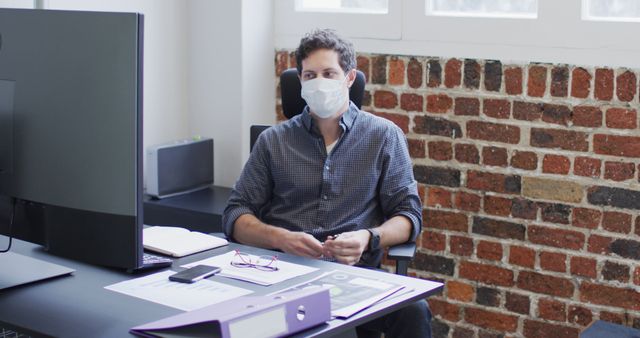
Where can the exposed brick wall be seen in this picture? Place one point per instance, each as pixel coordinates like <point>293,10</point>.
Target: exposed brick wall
<point>529,178</point>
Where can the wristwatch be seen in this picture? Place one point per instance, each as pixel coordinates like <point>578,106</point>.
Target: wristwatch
<point>374,240</point>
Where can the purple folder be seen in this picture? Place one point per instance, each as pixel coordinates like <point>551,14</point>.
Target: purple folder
<point>247,317</point>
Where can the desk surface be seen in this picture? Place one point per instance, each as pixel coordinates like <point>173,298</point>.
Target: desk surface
<point>79,306</point>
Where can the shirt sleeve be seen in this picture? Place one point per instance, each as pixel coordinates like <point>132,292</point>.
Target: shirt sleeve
<point>398,190</point>
<point>252,190</point>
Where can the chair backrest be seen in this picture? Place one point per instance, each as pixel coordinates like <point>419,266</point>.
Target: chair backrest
<point>293,103</point>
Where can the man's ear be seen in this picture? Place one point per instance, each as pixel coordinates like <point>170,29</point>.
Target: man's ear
<point>351,76</point>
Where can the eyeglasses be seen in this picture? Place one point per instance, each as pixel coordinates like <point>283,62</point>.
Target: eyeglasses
<point>262,263</point>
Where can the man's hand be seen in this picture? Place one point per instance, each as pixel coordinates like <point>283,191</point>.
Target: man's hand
<point>300,244</point>
<point>348,247</point>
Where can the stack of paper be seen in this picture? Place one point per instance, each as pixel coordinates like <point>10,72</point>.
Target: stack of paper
<point>285,270</point>
<point>178,242</point>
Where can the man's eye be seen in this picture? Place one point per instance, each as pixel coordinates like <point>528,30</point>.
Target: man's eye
<point>308,76</point>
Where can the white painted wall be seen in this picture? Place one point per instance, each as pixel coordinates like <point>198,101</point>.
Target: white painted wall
<point>231,77</point>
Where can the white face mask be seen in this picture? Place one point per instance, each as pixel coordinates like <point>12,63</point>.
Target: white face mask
<point>324,96</point>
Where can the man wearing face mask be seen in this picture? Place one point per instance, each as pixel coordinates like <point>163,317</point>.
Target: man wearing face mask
<point>333,182</point>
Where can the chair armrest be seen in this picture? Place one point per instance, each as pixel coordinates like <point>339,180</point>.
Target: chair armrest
<point>402,252</point>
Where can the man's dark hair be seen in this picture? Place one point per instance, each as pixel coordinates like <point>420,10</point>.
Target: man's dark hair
<point>326,39</point>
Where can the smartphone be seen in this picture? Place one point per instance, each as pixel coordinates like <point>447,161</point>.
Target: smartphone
<point>194,274</point>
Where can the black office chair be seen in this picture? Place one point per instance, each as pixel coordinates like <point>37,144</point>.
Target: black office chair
<point>293,104</point>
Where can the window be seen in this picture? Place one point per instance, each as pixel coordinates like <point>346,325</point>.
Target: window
<point>345,6</point>
<point>483,8</point>
<point>611,10</point>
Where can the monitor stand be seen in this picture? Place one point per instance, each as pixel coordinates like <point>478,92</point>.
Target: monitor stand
<point>16,269</point>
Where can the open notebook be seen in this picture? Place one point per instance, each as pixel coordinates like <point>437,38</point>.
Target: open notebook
<point>178,242</point>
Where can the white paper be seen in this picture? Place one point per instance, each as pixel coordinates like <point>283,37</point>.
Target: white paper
<point>178,242</point>
<point>159,289</point>
<point>285,270</point>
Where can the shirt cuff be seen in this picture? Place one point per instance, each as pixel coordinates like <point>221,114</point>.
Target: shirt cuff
<point>230,217</point>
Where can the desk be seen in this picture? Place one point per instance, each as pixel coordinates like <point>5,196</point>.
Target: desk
<point>79,306</point>
<point>199,210</point>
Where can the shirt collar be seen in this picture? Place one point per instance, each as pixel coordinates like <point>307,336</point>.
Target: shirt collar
<point>346,121</point>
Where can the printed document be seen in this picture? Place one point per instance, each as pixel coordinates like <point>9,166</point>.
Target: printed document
<point>159,289</point>
<point>349,292</point>
<point>285,270</point>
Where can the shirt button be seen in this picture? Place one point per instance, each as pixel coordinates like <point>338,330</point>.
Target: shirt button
<point>324,197</point>
<point>326,167</point>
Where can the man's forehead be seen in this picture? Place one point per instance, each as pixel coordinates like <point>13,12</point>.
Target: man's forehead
<point>321,59</point>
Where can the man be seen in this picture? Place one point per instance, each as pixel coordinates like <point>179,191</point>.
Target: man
<point>333,182</point>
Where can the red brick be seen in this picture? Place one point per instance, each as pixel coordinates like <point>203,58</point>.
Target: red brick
<point>439,103</point>
<point>500,109</point>
<point>538,329</point>
<point>491,320</point>
<point>559,238</point>
<point>379,69</point>
<point>523,208</point>
<point>556,113</point>
<point>461,246</point>
<point>484,273</point>
<point>559,81</point>
<point>292,60</point>
<point>412,102</point>
<point>433,240</point>
<point>505,184</point>
<point>499,229</point>
<point>400,120</point>
<point>494,156</point>
<point>488,131</point>
<point>555,164</point>
<point>446,220</point>
<point>619,171</point>
<point>513,80</point>
<point>527,160</point>
<point>445,310</point>
<point>489,250</point>
<point>440,150</point>
<point>587,116</point>
<point>517,303</point>
<point>604,84</point>
<point>585,166</point>
<point>614,145</point>
<point>626,86</point>
<point>499,206</point>
<point>467,201</point>
<point>636,276</point>
<point>537,81</point>
<point>414,73</point>
<point>459,291</point>
<point>364,66</point>
<point>599,244</point>
<point>467,106</point>
<point>562,139</point>
<point>438,197</point>
<point>615,272</point>
<point>612,317</point>
<point>610,296</point>
<point>555,212</point>
<point>527,111</point>
<point>522,256</point>
<point>580,83</point>
<point>461,332</point>
<point>546,284</point>
<point>467,153</point>
<point>584,267</point>
<point>616,222</point>
<point>553,261</point>
<point>586,218</point>
<point>385,99</point>
<point>579,315</point>
<point>416,148</point>
<point>552,309</point>
<point>452,73</point>
<point>638,224</point>
<point>396,71</point>
<point>620,118</point>
<point>282,62</point>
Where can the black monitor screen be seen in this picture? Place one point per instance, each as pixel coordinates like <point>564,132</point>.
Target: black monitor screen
<point>71,133</point>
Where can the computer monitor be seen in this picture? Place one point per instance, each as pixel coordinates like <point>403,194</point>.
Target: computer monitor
<point>71,132</point>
